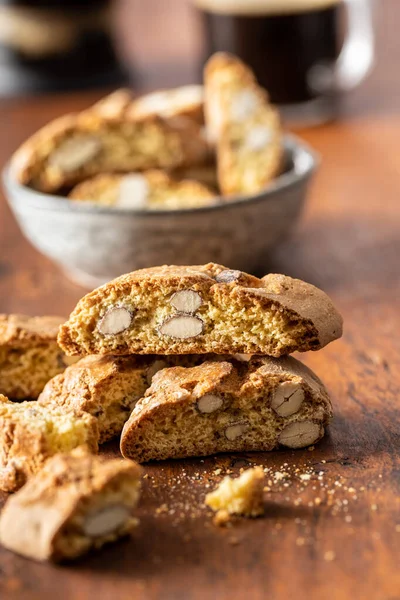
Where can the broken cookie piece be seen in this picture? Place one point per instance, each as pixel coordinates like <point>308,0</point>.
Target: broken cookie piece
<point>78,146</point>
<point>30,434</point>
<point>29,354</point>
<point>150,190</point>
<point>225,405</point>
<point>245,128</point>
<point>201,309</point>
<point>241,496</point>
<point>75,503</point>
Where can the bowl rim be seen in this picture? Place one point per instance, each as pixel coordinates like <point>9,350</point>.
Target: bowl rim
<point>301,170</point>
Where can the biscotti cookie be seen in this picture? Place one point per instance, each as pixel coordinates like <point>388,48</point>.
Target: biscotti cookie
<point>241,496</point>
<point>30,434</point>
<point>151,190</point>
<point>29,354</point>
<point>200,309</point>
<point>78,146</point>
<point>227,406</point>
<point>186,101</point>
<point>205,174</point>
<point>108,387</point>
<point>243,125</point>
<point>76,503</point>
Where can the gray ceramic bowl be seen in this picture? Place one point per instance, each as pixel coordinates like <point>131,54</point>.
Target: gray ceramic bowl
<point>94,244</point>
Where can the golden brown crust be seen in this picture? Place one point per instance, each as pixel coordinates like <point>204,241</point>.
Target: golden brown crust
<point>226,406</point>
<point>30,434</point>
<point>56,501</point>
<point>240,315</point>
<point>151,190</point>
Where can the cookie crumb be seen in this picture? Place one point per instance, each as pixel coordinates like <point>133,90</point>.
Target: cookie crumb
<point>240,496</point>
<point>329,556</point>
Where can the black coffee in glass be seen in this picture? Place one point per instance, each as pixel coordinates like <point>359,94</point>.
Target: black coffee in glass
<point>286,42</point>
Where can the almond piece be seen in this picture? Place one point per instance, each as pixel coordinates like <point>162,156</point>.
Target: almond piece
<point>75,152</point>
<point>133,192</point>
<point>105,521</point>
<point>287,398</point>
<point>209,403</point>
<point>243,357</point>
<point>234,431</point>
<point>228,276</point>
<point>243,105</point>
<point>154,368</point>
<point>258,138</point>
<point>182,327</point>
<point>186,301</point>
<point>116,320</point>
<point>301,434</point>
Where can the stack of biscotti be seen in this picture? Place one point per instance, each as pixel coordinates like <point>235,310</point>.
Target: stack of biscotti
<point>190,361</point>
<point>182,148</point>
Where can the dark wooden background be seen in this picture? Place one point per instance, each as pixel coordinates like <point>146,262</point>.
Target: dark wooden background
<point>346,544</point>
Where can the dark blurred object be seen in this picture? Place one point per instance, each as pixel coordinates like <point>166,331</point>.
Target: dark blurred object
<point>295,47</point>
<point>56,45</point>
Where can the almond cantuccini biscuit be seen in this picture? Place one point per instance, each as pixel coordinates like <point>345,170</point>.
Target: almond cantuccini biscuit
<point>245,128</point>
<point>200,309</point>
<point>241,496</point>
<point>30,434</point>
<point>78,146</point>
<point>108,387</point>
<point>29,354</point>
<point>227,406</point>
<point>76,503</point>
<point>150,190</point>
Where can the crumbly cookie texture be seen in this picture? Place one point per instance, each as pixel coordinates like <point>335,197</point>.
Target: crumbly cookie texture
<point>29,354</point>
<point>78,146</point>
<point>186,101</point>
<point>30,434</point>
<point>241,496</point>
<point>227,406</point>
<point>200,309</point>
<point>150,190</point>
<point>76,503</point>
<point>244,127</point>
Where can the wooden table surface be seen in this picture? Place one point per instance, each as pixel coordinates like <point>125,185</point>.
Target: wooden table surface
<point>336,535</point>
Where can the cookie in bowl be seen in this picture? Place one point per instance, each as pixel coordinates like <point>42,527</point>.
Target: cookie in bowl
<point>150,190</point>
<point>243,125</point>
<point>78,146</point>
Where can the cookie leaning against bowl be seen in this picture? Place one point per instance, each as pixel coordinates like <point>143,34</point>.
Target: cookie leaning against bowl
<point>227,407</point>
<point>245,128</point>
<point>30,434</point>
<point>200,309</point>
<point>78,146</point>
<point>29,354</point>
<point>75,503</point>
<point>150,190</point>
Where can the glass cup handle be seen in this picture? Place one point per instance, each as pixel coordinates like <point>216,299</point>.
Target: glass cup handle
<point>357,55</point>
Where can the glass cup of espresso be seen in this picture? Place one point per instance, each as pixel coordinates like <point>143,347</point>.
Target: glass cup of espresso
<point>297,48</point>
